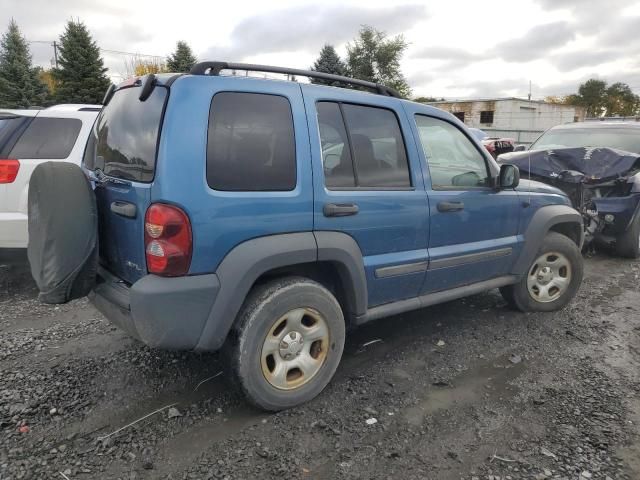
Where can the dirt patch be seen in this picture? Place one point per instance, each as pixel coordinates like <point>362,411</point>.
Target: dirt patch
<point>508,395</point>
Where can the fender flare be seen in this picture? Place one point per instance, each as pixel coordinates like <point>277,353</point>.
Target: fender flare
<point>542,221</point>
<point>246,262</point>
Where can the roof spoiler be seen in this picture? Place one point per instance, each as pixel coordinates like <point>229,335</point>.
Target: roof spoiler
<point>214,68</point>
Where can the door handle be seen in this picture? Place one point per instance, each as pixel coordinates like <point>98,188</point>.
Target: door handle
<point>339,209</point>
<point>124,209</point>
<point>450,206</point>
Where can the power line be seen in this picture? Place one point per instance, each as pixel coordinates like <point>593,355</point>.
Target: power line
<point>117,52</point>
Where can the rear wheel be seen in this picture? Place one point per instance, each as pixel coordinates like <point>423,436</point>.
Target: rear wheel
<point>628,244</point>
<point>287,344</point>
<point>551,281</point>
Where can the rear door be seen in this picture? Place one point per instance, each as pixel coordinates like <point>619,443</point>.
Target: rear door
<point>473,227</point>
<point>121,153</point>
<point>368,184</point>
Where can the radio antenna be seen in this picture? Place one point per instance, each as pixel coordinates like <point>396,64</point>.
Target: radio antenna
<point>529,172</point>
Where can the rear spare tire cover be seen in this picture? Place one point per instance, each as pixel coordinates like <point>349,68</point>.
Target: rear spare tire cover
<point>63,232</point>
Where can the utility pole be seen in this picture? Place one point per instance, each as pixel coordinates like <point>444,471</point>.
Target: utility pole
<point>55,53</point>
<point>529,90</point>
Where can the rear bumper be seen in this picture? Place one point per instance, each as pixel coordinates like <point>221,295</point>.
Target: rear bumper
<point>13,230</point>
<point>168,313</point>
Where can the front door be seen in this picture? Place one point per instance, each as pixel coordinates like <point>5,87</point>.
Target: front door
<point>473,227</point>
<point>368,184</point>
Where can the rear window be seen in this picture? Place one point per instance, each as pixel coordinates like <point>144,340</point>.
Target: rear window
<point>47,138</point>
<point>251,143</point>
<point>124,140</point>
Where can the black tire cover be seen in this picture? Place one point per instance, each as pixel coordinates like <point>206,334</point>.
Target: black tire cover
<point>63,232</point>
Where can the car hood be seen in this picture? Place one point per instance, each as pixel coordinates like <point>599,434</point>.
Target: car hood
<point>575,165</point>
<point>537,187</point>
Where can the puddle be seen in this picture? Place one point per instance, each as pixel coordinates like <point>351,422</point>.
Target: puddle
<point>490,379</point>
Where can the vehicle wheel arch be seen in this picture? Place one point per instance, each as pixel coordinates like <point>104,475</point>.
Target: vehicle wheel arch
<point>571,230</point>
<point>335,262</point>
<point>562,219</point>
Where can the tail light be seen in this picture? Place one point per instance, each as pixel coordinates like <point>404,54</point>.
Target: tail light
<point>168,241</point>
<point>9,170</point>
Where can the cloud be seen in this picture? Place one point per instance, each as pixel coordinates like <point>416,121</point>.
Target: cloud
<point>625,33</point>
<point>306,29</point>
<point>566,62</point>
<point>419,78</point>
<point>536,43</point>
<point>590,16</point>
<point>444,53</point>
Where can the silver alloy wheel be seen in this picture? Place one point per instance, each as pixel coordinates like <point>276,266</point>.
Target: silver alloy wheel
<point>549,277</point>
<point>295,348</point>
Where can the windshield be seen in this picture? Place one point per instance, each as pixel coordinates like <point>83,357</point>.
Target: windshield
<point>627,139</point>
<point>478,134</point>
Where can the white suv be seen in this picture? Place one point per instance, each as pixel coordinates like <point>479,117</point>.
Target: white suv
<point>30,137</point>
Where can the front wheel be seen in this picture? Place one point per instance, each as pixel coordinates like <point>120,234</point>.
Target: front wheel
<point>628,243</point>
<point>552,280</point>
<point>287,344</point>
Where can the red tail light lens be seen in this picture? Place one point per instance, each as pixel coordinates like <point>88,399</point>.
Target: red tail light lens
<point>9,170</point>
<point>167,240</point>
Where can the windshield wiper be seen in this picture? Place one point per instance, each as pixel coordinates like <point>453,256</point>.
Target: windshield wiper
<point>100,177</point>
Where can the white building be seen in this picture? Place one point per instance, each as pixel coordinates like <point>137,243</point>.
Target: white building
<point>518,118</point>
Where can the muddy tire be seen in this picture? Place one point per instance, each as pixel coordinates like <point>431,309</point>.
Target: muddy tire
<point>628,244</point>
<point>287,343</point>
<point>551,281</point>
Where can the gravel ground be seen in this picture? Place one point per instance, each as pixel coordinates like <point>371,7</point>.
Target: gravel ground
<point>464,390</point>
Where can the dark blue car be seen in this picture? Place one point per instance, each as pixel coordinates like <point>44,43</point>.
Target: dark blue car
<point>597,164</point>
<point>265,217</point>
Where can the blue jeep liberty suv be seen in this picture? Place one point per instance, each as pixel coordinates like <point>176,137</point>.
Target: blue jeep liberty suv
<point>264,217</point>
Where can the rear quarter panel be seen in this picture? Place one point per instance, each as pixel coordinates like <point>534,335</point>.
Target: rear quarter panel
<point>221,220</point>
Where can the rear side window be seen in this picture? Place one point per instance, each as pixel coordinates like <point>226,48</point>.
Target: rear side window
<point>372,154</point>
<point>124,140</point>
<point>47,138</point>
<point>336,154</point>
<point>10,126</point>
<point>251,143</point>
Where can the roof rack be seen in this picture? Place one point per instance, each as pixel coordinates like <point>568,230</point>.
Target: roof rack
<point>214,68</point>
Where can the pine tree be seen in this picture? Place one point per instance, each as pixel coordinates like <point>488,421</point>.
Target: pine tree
<point>20,85</point>
<point>182,59</point>
<point>328,62</point>
<point>375,58</point>
<point>80,75</point>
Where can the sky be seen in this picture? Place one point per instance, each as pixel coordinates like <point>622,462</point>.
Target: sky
<point>457,49</point>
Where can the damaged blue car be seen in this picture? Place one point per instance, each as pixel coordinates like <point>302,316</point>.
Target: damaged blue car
<point>598,165</point>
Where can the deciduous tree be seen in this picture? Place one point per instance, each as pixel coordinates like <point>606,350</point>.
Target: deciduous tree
<point>374,57</point>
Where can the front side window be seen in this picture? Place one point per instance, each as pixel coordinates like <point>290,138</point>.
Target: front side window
<point>454,162</point>
<point>251,143</point>
<point>372,154</point>
<point>47,138</point>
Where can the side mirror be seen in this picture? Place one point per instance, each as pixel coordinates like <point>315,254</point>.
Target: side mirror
<point>509,176</point>
<point>519,148</point>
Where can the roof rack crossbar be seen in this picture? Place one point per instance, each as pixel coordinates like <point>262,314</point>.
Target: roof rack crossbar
<point>214,68</point>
